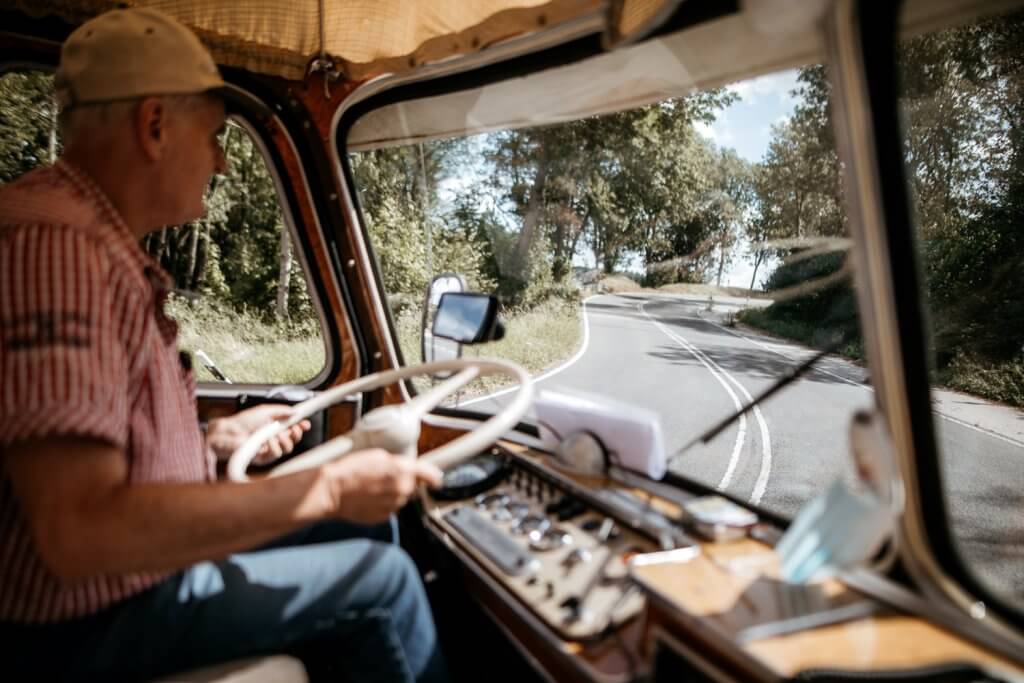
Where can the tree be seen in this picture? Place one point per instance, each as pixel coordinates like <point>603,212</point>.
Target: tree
<point>28,123</point>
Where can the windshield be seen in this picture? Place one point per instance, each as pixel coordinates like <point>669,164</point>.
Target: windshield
<point>679,257</point>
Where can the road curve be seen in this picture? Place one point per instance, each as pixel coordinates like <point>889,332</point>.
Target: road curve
<point>669,354</point>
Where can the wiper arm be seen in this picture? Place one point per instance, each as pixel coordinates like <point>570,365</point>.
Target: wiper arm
<point>791,375</point>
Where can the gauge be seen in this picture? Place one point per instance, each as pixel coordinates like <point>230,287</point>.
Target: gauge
<point>531,523</point>
<point>501,513</point>
<point>518,509</point>
<point>551,538</point>
<point>479,473</point>
<point>491,501</point>
<point>583,452</point>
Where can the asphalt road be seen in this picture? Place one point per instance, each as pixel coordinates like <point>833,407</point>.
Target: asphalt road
<point>671,355</point>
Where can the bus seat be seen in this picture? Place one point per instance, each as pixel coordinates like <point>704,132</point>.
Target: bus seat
<point>275,669</point>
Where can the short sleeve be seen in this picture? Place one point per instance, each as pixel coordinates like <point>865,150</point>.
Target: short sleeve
<point>63,326</point>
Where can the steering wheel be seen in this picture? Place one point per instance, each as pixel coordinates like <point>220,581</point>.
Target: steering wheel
<point>396,428</point>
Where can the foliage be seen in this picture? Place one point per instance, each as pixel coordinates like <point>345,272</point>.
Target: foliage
<point>28,123</point>
<point>522,206</point>
<point>538,338</point>
<point>964,102</point>
<point>829,312</point>
<point>999,381</point>
<point>245,345</point>
<point>961,96</point>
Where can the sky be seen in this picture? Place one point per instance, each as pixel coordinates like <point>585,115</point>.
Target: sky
<point>746,127</point>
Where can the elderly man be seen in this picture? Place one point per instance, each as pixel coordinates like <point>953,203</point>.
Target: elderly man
<point>121,556</point>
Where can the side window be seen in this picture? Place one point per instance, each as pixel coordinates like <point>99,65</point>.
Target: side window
<point>240,294</point>
<point>28,122</point>
<point>962,104</point>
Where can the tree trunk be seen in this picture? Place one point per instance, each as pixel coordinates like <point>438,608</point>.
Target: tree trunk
<point>284,275</point>
<point>203,255</point>
<point>52,142</point>
<point>425,206</point>
<point>757,264</point>
<point>721,262</point>
<point>193,251</point>
<point>531,219</point>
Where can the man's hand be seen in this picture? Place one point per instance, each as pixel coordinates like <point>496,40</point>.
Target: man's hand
<point>367,486</point>
<point>226,434</point>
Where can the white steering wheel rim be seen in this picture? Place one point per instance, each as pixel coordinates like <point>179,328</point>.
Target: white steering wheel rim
<point>444,456</point>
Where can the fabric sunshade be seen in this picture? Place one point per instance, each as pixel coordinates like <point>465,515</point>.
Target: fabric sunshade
<point>365,37</point>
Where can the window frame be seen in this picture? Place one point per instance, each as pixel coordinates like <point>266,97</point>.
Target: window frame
<point>862,43</point>
<point>301,248</point>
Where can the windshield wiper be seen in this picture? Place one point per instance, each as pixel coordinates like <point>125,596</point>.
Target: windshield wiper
<point>791,375</point>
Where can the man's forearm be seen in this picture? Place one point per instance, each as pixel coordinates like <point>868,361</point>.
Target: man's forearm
<point>168,526</point>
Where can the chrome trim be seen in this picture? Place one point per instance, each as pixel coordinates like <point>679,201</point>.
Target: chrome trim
<point>875,296</point>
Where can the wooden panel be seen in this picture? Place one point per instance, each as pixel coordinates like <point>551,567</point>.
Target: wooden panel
<point>877,643</point>
<point>320,104</point>
<point>735,586</point>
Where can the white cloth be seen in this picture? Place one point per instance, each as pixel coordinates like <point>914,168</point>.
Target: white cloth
<point>631,435</point>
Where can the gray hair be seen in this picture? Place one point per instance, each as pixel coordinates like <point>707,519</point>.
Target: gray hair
<point>103,118</point>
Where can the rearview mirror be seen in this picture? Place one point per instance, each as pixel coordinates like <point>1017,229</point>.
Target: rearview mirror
<point>432,348</point>
<point>467,318</point>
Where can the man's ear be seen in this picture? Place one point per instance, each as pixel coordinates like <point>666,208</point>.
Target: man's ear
<point>151,127</point>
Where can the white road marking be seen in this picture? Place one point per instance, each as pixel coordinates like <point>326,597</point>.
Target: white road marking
<point>761,485</point>
<point>549,373</point>
<point>774,348</point>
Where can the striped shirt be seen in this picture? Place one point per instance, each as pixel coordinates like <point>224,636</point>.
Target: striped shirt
<point>85,350</point>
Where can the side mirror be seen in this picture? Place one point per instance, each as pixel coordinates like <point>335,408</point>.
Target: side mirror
<point>433,348</point>
<point>467,318</point>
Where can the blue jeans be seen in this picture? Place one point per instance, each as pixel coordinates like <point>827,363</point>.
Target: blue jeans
<point>353,605</point>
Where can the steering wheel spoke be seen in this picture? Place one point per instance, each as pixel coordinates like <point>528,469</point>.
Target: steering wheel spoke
<point>425,402</point>
<point>396,427</point>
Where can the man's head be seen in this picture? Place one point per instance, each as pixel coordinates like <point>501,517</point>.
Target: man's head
<point>139,101</point>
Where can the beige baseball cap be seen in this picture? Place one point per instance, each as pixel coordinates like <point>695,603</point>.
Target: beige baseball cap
<point>128,53</point>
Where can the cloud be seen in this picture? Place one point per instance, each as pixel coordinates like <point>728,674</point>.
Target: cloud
<point>776,85</point>
<point>719,132</point>
<point>707,130</point>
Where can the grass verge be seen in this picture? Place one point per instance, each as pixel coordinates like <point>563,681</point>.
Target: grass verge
<point>1001,381</point>
<point>538,338</point>
<point>245,347</point>
<point>998,381</point>
<point>814,336</point>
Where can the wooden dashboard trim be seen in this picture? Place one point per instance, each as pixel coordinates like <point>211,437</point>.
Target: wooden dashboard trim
<point>905,640</point>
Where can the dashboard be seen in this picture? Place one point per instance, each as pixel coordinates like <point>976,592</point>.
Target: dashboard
<point>596,581</point>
